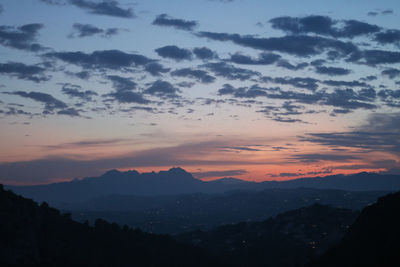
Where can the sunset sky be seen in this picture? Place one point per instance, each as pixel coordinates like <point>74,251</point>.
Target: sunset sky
<point>252,89</point>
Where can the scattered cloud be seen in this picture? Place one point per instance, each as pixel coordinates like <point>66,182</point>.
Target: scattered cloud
<point>167,21</point>
<point>105,7</point>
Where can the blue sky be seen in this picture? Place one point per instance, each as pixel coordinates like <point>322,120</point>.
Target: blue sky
<point>262,89</point>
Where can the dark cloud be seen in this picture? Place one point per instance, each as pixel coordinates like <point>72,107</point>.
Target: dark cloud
<point>23,37</point>
<point>103,59</point>
<point>50,103</point>
<point>54,2</point>
<point>341,98</point>
<point>162,89</point>
<point>387,12</point>
<point>200,75</point>
<point>204,53</point>
<point>333,71</point>
<point>105,7</point>
<point>312,158</point>
<point>376,57</point>
<point>174,52</point>
<point>372,13</point>
<point>287,65</point>
<point>305,83</point>
<point>155,68</point>
<point>73,90</point>
<point>124,90</point>
<point>25,72</point>
<point>128,97</point>
<point>323,25</point>
<point>379,133</point>
<point>72,112</point>
<point>84,75</point>
<point>165,20</point>
<point>230,72</point>
<point>391,73</point>
<point>122,83</point>
<point>298,45</point>
<point>86,30</point>
<point>345,83</point>
<point>241,148</point>
<point>200,175</point>
<point>388,37</point>
<point>263,59</point>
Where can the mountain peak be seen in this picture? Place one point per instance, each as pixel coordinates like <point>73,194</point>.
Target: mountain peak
<point>112,172</point>
<point>177,170</point>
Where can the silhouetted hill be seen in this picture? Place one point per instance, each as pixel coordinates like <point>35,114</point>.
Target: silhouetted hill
<point>33,235</point>
<point>178,181</point>
<point>373,239</point>
<point>289,239</point>
<point>175,214</point>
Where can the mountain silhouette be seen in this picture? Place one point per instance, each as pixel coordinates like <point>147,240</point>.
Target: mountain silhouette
<point>178,181</point>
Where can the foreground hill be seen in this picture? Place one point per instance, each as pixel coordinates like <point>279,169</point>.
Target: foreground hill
<point>177,181</point>
<point>373,240</point>
<point>33,235</point>
<point>289,239</point>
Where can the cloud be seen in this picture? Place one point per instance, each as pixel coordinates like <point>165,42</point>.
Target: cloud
<point>75,91</point>
<point>204,53</point>
<point>155,68</point>
<point>23,37</point>
<point>376,57</point>
<point>33,73</point>
<point>230,72</point>
<point>344,98</point>
<point>312,158</point>
<point>388,37</point>
<point>174,52</point>
<point>162,89</point>
<point>379,133</point>
<point>87,143</point>
<point>323,25</point>
<point>102,59</point>
<point>200,175</point>
<point>122,83</point>
<point>165,20</point>
<point>109,8</point>
<point>287,65</point>
<point>298,45</point>
<point>86,30</point>
<point>200,75</point>
<point>391,73</point>
<point>263,59</point>
<point>1,9</point>
<point>333,71</point>
<point>49,101</point>
<point>124,90</point>
<point>305,83</point>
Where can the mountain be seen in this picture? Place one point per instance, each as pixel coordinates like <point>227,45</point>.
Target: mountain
<point>373,239</point>
<point>33,235</point>
<point>289,239</point>
<point>180,213</point>
<point>178,181</point>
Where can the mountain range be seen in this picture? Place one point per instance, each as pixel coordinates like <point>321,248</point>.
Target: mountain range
<point>177,181</point>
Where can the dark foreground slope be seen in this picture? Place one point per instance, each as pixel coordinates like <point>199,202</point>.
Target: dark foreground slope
<point>289,239</point>
<point>33,235</point>
<point>373,240</point>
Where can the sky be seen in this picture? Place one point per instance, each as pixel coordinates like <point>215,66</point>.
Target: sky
<point>257,90</point>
